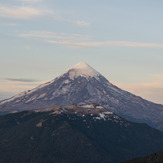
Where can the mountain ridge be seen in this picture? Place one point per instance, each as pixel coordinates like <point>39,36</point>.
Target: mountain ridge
<point>74,134</point>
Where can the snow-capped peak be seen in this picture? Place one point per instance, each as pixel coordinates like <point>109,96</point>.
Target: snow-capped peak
<point>82,69</point>
<point>81,65</point>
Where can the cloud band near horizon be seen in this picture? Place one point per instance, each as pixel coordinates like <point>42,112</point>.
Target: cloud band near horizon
<point>21,80</point>
<point>107,43</point>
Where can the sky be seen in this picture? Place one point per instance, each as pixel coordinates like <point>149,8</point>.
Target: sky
<point>122,39</point>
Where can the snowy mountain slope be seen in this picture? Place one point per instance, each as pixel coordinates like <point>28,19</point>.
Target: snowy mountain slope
<point>97,112</point>
<point>81,84</point>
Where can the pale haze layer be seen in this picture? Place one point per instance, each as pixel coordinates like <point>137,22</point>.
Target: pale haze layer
<point>123,40</point>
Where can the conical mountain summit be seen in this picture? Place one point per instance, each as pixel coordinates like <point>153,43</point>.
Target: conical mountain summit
<point>80,85</point>
<point>82,69</point>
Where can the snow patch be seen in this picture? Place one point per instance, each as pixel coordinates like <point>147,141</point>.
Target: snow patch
<point>91,106</point>
<point>102,116</point>
<point>41,96</point>
<point>31,99</point>
<point>105,115</point>
<point>99,107</point>
<point>67,81</point>
<point>108,112</point>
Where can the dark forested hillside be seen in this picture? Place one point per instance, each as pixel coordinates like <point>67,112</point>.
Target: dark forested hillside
<point>153,158</point>
<point>68,137</point>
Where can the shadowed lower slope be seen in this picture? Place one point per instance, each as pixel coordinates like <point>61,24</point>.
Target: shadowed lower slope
<point>153,158</point>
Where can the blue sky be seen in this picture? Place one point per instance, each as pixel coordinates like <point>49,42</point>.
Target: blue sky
<point>123,40</point>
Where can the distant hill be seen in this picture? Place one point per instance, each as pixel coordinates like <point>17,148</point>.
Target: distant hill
<point>73,134</point>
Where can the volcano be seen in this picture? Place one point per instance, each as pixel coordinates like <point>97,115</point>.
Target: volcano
<point>82,85</point>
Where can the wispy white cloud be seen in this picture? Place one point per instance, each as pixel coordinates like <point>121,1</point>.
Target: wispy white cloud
<point>30,1</point>
<point>107,43</point>
<point>53,35</point>
<point>77,44</point>
<point>83,24</point>
<point>26,12</point>
<point>83,41</point>
<point>21,12</point>
<point>9,24</point>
